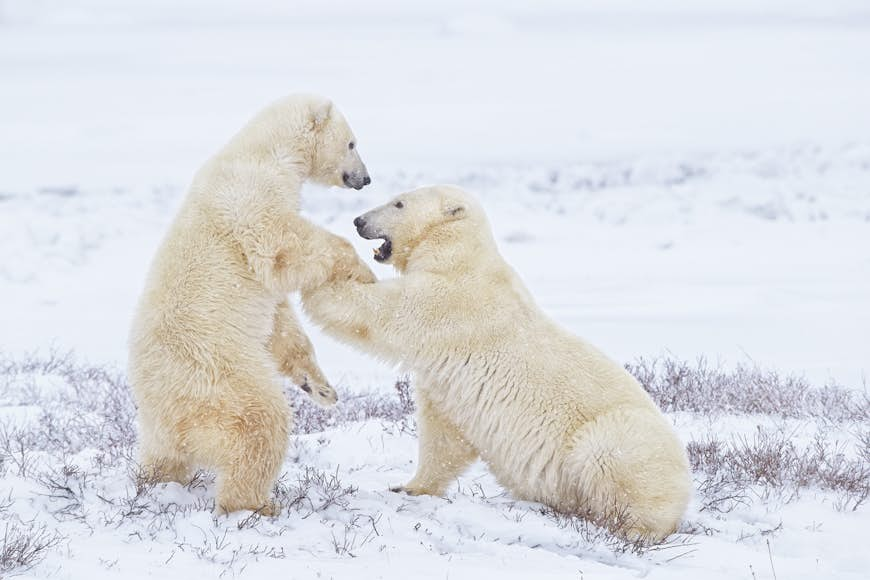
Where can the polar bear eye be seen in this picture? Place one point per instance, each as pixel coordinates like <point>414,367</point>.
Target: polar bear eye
<point>351,145</point>
<point>399,204</point>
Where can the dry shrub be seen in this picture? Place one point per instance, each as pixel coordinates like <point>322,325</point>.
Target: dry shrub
<point>353,407</point>
<point>86,407</point>
<point>678,385</point>
<point>24,545</point>
<point>612,530</point>
<point>313,491</point>
<point>770,460</point>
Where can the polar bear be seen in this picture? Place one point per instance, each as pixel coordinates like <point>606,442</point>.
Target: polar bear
<point>213,328</point>
<point>555,420</point>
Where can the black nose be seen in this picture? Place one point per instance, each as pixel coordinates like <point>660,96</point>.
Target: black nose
<point>359,222</point>
<point>367,180</point>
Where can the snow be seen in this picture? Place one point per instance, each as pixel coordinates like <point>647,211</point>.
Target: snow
<point>774,269</point>
<point>683,178</point>
<point>370,532</point>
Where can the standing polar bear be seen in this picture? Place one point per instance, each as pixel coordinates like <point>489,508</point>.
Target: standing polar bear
<point>213,327</point>
<point>556,420</point>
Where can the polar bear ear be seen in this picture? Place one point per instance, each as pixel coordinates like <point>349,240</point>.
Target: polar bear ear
<point>454,211</point>
<point>320,113</point>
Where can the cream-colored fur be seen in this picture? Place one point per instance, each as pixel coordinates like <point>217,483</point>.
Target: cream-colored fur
<point>213,328</point>
<point>556,420</point>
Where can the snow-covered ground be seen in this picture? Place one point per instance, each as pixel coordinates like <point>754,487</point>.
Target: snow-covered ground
<point>691,178</point>
<point>781,490</point>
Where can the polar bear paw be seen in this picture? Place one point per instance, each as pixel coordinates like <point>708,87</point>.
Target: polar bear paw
<point>323,395</point>
<point>270,509</point>
<point>412,490</point>
<point>348,265</point>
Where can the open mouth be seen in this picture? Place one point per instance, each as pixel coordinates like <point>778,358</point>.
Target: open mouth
<point>383,253</point>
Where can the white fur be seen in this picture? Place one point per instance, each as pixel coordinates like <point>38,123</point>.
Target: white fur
<point>213,328</point>
<point>555,419</point>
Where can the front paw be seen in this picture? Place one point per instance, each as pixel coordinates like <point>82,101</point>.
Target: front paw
<point>351,268</point>
<point>363,274</point>
<point>348,265</point>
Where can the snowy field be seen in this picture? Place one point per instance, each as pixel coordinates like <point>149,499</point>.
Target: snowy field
<point>691,180</point>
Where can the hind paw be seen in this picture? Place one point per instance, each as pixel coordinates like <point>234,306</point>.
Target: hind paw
<point>323,395</point>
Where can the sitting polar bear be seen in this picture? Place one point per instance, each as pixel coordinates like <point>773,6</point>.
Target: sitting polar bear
<point>556,420</point>
<point>213,327</point>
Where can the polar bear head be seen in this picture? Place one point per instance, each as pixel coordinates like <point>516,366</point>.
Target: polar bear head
<point>310,137</point>
<point>336,159</point>
<point>431,227</point>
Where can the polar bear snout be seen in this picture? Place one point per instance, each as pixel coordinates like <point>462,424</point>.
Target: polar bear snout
<point>356,179</point>
<point>364,228</point>
<point>360,223</point>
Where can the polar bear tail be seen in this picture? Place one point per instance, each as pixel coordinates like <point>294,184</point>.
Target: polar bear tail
<point>628,471</point>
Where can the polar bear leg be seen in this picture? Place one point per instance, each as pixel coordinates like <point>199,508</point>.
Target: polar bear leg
<point>164,467</point>
<point>159,453</point>
<point>300,256</point>
<point>253,436</point>
<point>443,452</point>
<point>293,352</point>
<point>625,472</point>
